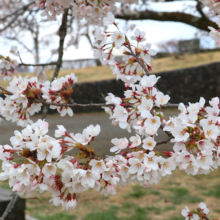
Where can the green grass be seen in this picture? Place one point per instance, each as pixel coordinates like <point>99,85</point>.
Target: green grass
<point>182,195</point>
<point>110,214</point>
<point>140,191</point>
<point>215,191</point>
<point>176,218</point>
<point>153,209</point>
<point>140,214</point>
<point>58,216</point>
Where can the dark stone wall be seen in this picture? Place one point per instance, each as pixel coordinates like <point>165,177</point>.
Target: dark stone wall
<point>184,85</point>
<point>94,92</point>
<point>188,85</point>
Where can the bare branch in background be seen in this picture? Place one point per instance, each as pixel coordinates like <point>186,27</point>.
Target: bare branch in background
<point>198,22</point>
<point>15,16</point>
<point>62,35</point>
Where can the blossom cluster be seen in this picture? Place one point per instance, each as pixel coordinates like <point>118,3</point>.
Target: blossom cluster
<point>44,167</point>
<point>136,59</point>
<point>8,67</point>
<point>25,97</point>
<point>198,214</point>
<point>59,91</point>
<point>92,10</point>
<point>42,162</point>
<point>195,132</point>
<point>20,103</point>
<point>215,7</point>
<point>136,109</point>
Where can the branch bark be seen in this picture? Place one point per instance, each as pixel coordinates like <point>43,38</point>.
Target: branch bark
<point>73,104</point>
<point>198,22</point>
<point>62,34</point>
<point>16,14</point>
<point>10,205</point>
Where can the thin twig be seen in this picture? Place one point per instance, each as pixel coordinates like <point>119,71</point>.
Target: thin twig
<point>164,141</point>
<point>138,60</point>
<point>16,16</point>
<point>38,64</point>
<point>10,205</point>
<point>73,104</point>
<point>23,8</point>
<point>6,91</point>
<point>167,132</point>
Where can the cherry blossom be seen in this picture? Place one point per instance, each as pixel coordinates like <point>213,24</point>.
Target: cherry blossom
<point>194,132</point>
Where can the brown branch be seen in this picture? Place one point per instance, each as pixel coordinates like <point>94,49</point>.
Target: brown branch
<point>138,60</point>
<point>38,64</point>
<point>6,91</point>
<point>19,41</point>
<point>62,34</point>
<point>10,205</point>
<point>198,22</point>
<point>164,141</point>
<point>73,104</point>
<point>170,105</point>
<point>199,9</point>
<point>24,8</point>
<point>167,132</point>
<point>16,15</point>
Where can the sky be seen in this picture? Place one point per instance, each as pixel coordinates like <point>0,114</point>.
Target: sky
<point>156,32</point>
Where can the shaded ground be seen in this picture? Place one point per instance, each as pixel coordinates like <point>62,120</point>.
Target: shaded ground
<point>77,123</point>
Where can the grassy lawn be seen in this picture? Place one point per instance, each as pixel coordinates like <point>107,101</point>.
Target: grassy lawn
<point>159,65</point>
<point>164,200</point>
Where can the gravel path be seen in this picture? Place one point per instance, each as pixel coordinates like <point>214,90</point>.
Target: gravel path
<point>77,123</point>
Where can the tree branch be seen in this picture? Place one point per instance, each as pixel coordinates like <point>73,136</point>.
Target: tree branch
<point>62,34</point>
<point>164,141</point>
<point>24,8</point>
<point>10,205</point>
<point>167,132</point>
<point>16,14</point>
<point>199,9</point>
<point>198,22</point>
<point>73,104</point>
<point>6,91</point>
<point>38,64</point>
